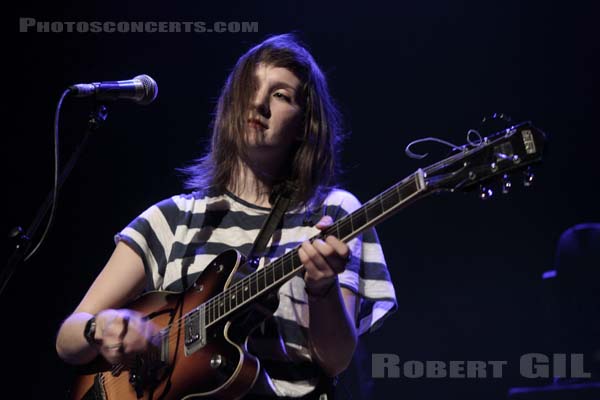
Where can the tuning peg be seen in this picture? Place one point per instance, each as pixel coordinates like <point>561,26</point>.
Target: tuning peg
<point>485,192</point>
<point>506,184</point>
<point>528,177</point>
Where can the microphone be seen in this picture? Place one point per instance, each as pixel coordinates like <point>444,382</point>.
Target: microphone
<point>142,89</point>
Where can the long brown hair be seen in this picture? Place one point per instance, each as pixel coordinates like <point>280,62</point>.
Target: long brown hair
<point>314,158</point>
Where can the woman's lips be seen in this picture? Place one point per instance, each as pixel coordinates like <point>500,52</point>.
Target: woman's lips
<point>257,124</point>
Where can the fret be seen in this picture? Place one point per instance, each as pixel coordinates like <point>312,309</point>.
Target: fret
<point>277,270</point>
<point>227,301</point>
<point>269,279</point>
<point>209,308</point>
<point>256,283</point>
<point>221,301</point>
<point>256,289</point>
<point>245,289</point>
<point>239,293</point>
<point>230,294</point>
<point>380,203</point>
<point>296,263</point>
<point>344,226</point>
<point>372,210</point>
<point>397,189</point>
<point>409,189</point>
<point>390,199</point>
<point>358,218</point>
<point>216,308</point>
<point>266,277</point>
<point>234,296</point>
<point>286,262</point>
<point>215,314</point>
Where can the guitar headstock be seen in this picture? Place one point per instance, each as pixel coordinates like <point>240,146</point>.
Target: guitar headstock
<point>498,156</point>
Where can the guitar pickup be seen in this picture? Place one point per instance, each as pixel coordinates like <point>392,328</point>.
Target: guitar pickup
<point>194,330</point>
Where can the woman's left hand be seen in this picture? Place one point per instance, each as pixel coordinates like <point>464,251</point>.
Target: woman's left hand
<point>323,260</point>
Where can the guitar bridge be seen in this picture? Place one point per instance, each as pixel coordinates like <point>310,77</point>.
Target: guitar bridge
<point>195,331</point>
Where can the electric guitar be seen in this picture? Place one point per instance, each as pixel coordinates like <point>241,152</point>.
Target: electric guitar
<point>200,349</point>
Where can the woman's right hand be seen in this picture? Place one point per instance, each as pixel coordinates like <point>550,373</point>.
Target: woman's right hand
<point>123,333</point>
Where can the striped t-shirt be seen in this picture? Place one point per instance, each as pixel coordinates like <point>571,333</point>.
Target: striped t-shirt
<point>178,237</point>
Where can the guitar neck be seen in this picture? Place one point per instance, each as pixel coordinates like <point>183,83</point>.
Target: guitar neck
<point>508,150</point>
<point>273,275</point>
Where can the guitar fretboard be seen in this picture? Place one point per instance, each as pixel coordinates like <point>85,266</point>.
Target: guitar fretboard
<point>507,150</point>
<point>273,275</point>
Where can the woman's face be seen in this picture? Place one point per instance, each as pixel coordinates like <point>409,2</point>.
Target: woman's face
<point>275,117</point>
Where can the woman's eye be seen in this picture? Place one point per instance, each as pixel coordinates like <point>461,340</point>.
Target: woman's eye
<point>282,96</point>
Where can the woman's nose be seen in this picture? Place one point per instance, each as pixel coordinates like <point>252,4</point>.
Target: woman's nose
<point>260,103</point>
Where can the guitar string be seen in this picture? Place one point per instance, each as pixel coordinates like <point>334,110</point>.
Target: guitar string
<point>215,303</point>
<point>343,223</point>
<point>167,331</point>
<point>214,306</point>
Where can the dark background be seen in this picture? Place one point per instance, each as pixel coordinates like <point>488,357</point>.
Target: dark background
<point>466,272</point>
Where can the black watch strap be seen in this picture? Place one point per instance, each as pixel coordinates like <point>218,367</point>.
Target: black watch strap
<point>89,332</point>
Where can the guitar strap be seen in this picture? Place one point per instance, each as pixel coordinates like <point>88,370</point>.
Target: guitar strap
<point>281,198</point>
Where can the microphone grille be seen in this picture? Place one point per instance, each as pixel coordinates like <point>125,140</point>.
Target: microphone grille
<point>150,89</point>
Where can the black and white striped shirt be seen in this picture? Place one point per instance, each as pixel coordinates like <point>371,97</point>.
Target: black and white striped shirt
<point>178,237</point>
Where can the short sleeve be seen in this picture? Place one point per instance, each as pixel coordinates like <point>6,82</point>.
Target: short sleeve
<point>366,273</point>
<point>151,236</point>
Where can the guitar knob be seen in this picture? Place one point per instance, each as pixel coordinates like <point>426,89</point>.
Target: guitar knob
<point>485,192</point>
<point>506,184</point>
<point>217,361</point>
<point>528,177</point>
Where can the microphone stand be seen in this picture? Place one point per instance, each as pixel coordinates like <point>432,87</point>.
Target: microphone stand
<point>22,240</point>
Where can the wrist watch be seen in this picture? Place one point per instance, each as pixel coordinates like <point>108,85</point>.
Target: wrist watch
<point>89,332</point>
